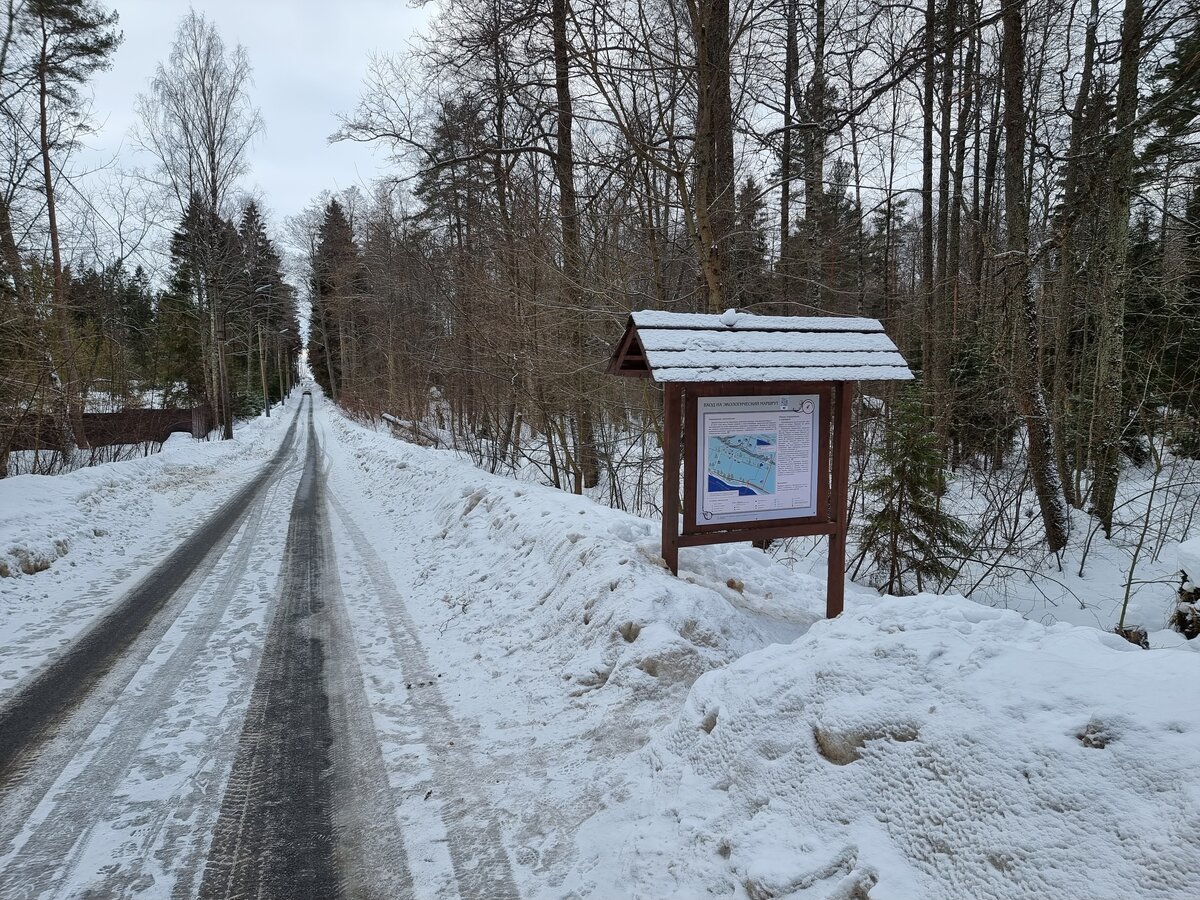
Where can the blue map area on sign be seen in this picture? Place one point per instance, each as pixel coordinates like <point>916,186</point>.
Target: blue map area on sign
<point>744,463</point>
<point>715,484</point>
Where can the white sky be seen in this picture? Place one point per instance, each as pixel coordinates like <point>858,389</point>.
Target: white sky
<point>309,59</point>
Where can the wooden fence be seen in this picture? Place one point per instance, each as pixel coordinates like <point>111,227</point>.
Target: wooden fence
<point>129,426</point>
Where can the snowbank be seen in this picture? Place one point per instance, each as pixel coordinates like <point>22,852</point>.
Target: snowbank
<point>1189,559</point>
<point>560,640</point>
<point>580,584</point>
<point>45,516</point>
<point>923,748</point>
<point>73,544</point>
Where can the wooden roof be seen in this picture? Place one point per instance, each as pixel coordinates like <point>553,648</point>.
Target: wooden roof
<point>693,347</point>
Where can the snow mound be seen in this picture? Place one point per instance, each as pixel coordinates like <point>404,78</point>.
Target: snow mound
<point>922,748</point>
<point>1189,559</point>
<point>581,585</point>
<point>43,518</point>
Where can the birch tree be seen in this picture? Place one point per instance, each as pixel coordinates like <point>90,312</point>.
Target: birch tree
<point>198,122</point>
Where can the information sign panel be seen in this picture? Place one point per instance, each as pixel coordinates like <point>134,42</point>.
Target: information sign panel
<point>756,458</point>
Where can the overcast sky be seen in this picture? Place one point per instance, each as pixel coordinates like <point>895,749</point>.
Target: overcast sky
<point>309,59</point>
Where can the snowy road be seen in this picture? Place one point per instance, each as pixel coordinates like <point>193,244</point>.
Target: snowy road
<point>210,735</point>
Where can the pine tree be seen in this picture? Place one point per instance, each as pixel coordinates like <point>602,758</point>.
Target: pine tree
<point>337,276</point>
<point>748,254</point>
<point>908,535</point>
<point>267,308</point>
<point>180,335</point>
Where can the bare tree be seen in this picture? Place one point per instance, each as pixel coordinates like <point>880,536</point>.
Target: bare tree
<point>1020,303</point>
<point>198,121</point>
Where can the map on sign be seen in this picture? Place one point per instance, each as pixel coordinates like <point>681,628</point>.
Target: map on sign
<point>757,458</point>
<point>744,463</point>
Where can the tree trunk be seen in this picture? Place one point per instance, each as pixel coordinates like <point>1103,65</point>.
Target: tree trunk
<point>928,332</point>
<point>938,379</point>
<point>965,113</point>
<point>1109,408</point>
<point>223,380</point>
<point>73,432</point>
<point>714,198</point>
<point>262,371</point>
<point>1020,305</point>
<point>1064,320</point>
<point>814,164</point>
<point>572,256</point>
<point>323,321</point>
<point>790,68</point>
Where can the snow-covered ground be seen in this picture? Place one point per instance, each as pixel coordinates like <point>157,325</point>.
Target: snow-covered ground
<point>72,544</point>
<point>1009,568</point>
<point>537,678</point>
<point>921,748</point>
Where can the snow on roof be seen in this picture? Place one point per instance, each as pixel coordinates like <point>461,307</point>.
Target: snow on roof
<point>648,318</point>
<point>691,347</point>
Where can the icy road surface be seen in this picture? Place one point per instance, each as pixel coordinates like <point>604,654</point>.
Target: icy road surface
<point>316,661</point>
<point>210,733</point>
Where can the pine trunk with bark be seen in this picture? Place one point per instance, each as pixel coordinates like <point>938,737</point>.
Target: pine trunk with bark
<point>572,255</point>
<point>714,196</point>
<point>1019,302</point>
<point>1109,412</point>
<point>66,382</point>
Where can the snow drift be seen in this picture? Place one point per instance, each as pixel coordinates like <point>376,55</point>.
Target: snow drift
<point>924,748</point>
<point>583,585</point>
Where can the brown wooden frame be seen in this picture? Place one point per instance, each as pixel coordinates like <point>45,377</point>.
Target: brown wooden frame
<point>833,480</point>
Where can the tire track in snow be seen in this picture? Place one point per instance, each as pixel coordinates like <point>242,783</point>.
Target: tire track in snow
<point>305,812</point>
<point>274,836</point>
<point>479,859</point>
<point>83,795</point>
<point>49,720</point>
<point>371,848</point>
<point>38,708</point>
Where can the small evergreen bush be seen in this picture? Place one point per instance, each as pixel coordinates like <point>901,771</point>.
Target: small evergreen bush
<point>908,534</point>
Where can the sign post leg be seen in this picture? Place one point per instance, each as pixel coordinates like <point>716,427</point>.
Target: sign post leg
<point>672,407</point>
<point>835,590</point>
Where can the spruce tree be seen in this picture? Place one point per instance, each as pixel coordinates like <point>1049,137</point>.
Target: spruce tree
<point>908,534</point>
<point>337,275</point>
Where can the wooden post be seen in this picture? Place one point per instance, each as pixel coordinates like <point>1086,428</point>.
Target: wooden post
<point>835,590</point>
<point>672,410</point>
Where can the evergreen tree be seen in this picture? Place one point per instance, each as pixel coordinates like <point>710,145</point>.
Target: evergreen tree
<point>180,333</point>
<point>749,251</point>
<point>266,307</point>
<point>337,277</point>
<point>908,534</point>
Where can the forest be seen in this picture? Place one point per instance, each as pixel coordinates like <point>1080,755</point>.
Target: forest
<point>94,320</point>
<point>1012,188</point>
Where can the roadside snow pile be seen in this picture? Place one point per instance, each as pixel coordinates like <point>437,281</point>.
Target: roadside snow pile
<point>561,642</point>
<point>45,517</point>
<point>1189,561</point>
<point>580,585</point>
<point>922,748</point>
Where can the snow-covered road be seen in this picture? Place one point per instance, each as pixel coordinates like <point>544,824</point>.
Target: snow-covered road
<point>375,671</point>
<point>210,734</point>
<point>114,779</point>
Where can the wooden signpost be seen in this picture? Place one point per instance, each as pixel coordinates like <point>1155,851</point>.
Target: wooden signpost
<point>756,414</point>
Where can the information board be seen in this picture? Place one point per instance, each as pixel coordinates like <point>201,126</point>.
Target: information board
<point>756,458</point>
